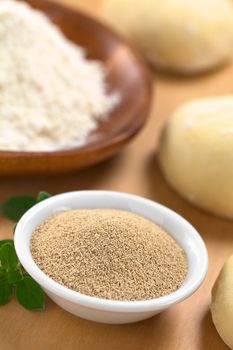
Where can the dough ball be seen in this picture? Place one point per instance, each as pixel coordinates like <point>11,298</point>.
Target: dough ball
<point>196,153</point>
<point>222,303</point>
<point>181,35</point>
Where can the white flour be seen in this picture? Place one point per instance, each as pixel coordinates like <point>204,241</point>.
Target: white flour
<point>51,96</point>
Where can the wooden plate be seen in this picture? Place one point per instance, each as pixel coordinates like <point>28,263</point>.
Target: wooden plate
<point>127,74</point>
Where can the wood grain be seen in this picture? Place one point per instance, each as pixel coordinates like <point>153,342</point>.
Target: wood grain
<point>187,326</point>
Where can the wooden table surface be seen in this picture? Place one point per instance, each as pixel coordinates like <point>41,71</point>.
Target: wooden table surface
<point>187,326</point>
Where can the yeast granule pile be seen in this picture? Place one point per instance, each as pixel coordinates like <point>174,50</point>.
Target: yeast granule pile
<point>109,253</point>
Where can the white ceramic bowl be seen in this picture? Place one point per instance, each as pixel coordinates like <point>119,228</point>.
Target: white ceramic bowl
<point>112,311</point>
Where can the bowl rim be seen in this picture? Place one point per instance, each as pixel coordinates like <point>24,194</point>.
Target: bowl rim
<point>99,303</point>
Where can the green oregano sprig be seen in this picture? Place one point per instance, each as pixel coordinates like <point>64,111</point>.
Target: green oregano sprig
<point>14,207</point>
<point>13,278</point>
<point>14,281</point>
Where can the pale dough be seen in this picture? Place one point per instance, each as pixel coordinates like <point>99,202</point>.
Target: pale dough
<point>222,303</point>
<point>180,35</point>
<point>196,153</point>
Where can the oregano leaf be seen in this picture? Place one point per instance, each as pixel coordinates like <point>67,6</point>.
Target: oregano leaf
<point>42,196</point>
<point>29,294</point>
<point>14,277</point>
<point>15,207</point>
<point>4,241</point>
<point>6,291</point>
<point>8,257</point>
<point>2,274</point>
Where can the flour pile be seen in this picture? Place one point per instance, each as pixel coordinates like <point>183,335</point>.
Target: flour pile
<point>51,96</point>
